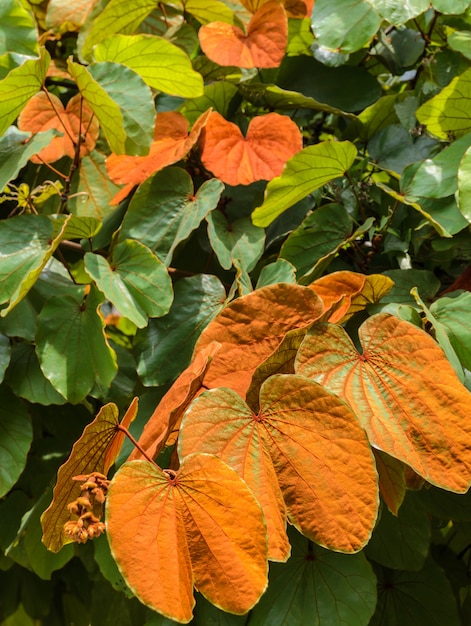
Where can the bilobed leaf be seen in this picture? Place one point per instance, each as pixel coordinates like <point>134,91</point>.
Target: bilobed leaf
<point>239,243</point>
<point>258,323</point>
<point>447,112</point>
<point>401,387</point>
<point>165,420</point>
<point>134,280</point>
<point>45,111</point>
<point>392,481</point>
<point>71,344</point>
<point>17,29</point>
<point>95,451</point>
<point>62,16</point>
<point>164,348</point>
<point>160,63</point>
<point>262,45</point>
<point>172,142</point>
<point>280,271</point>
<point>73,227</point>
<point>237,160</point>
<point>19,85</point>
<point>317,586</point>
<point>151,514</point>
<point>281,453</point>
<point>303,173</point>
<point>333,31</point>
<point>16,435</point>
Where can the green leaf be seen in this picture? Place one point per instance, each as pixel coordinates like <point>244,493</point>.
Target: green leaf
<point>393,148</point>
<point>217,96</point>
<point>92,190</point>
<point>165,347</point>
<point>437,177</point>
<point>4,354</point>
<point>16,435</point>
<point>237,243</point>
<point>206,614</point>
<point>108,566</point>
<point>452,313</point>
<point>134,98</point>
<point>206,11</point>
<point>21,322</point>
<point>19,86</point>
<point>317,587</point>
<point>464,185</point>
<point>160,63</point>
<point>71,344</point>
<point>27,242</point>
<point>26,378</point>
<point>453,7</point>
<point>134,280</point>
<point>306,171</point>
<point>401,542</point>
<point>399,13</point>
<point>461,42</point>
<point>118,16</point>
<point>448,112</point>
<point>404,280</point>
<point>422,598</point>
<point>17,147</point>
<point>17,29</point>
<point>105,108</point>
<point>280,271</point>
<point>165,210</point>
<point>332,30</point>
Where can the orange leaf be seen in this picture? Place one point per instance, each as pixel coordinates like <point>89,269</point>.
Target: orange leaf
<point>199,525</point>
<point>261,155</point>
<point>251,327</point>
<point>171,143</point>
<point>358,291</point>
<point>403,390</point>
<point>164,421</point>
<point>95,451</point>
<point>392,482</point>
<point>304,454</point>
<point>45,111</point>
<point>263,45</point>
<point>293,8</point>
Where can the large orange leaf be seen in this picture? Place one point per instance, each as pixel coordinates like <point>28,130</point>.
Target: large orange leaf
<point>200,525</point>
<point>303,454</point>
<point>171,143</point>
<point>403,390</point>
<point>45,111</point>
<point>261,155</point>
<point>358,291</point>
<point>95,451</point>
<point>164,421</point>
<point>294,8</point>
<point>251,327</point>
<point>262,45</point>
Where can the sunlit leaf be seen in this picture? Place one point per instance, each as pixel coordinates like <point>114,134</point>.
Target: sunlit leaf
<point>205,517</point>
<point>45,111</point>
<point>62,16</point>
<point>403,390</point>
<point>303,445</point>
<point>237,160</point>
<point>258,322</point>
<point>399,13</point>
<point>19,85</point>
<point>95,451</point>
<point>464,185</point>
<point>172,142</point>
<point>392,481</point>
<point>303,173</point>
<point>16,435</point>
<point>206,11</point>
<point>293,8</point>
<point>18,31</point>
<point>453,7</point>
<point>262,45</point>
<point>164,421</point>
<point>160,63</point>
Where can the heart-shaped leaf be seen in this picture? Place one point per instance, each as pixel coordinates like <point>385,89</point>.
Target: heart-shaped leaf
<point>95,451</point>
<point>302,446</point>
<point>258,322</point>
<point>205,517</point>
<point>262,45</point>
<point>261,155</point>
<point>403,390</point>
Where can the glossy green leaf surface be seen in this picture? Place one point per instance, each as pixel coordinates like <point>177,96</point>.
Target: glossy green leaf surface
<point>17,29</point>
<point>399,13</point>
<point>239,242</point>
<point>16,435</point>
<point>451,313</point>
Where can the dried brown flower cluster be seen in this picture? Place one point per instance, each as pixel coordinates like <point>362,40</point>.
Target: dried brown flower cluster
<point>88,508</point>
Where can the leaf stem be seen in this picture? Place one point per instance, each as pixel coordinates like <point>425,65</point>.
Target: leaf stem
<point>134,441</point>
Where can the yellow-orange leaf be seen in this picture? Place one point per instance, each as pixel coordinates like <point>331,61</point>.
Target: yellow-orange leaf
<point>45,111</point>
<point>263,45</point>
<point>294,8</point>
<point>200,525</point>
<point>95,451</point>
<point>164,421</point>
<point>403,390</point>
<point>304,455</point>
<point>261,155</point>
<point>251,327</point>
<point>171,143</point>
<point>392,481</point>
<point>358,291</point>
